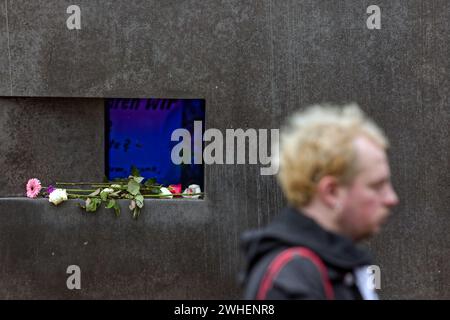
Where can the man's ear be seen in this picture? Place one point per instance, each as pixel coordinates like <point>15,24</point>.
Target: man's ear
<point>328,191</point>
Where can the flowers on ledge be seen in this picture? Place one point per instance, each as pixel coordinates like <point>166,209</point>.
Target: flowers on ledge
<point>95,194</point>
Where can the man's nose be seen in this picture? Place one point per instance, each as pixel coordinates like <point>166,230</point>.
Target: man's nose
<point>391,198</point>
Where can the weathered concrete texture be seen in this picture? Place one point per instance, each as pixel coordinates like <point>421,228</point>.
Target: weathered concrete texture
<point>254,62</point>
<point>50,139</point>
<point>131,48</point>
<point>167,252</point>
<point>5,88</point>
<point>413,251</point>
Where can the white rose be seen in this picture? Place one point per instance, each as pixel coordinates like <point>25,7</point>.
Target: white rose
<point>193,188</point>
<point>58,196</point>
<point>165,191</point>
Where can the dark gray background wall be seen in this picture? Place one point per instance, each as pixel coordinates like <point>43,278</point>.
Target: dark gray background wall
<point>254,62</point>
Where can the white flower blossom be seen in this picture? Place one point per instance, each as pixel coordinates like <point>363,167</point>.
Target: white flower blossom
<point>57,196</point>
<point>193,188</point>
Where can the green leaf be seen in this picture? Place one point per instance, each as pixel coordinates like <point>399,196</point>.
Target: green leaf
<point>133,187</point>
<point>95,193</point>
<point>136,212</point>
<point>117,209</point>
<point>139,200</point>
<point>138,179</point>
<point>111,204</point>
<point>115,194</point>
<point>92,204</point>
<point>103,195</point>
<point>135,171</point>
<point>128,196</point>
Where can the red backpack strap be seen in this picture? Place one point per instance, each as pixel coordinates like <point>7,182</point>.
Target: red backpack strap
<point>282,259</point>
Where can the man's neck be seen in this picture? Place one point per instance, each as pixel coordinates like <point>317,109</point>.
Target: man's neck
<point>324,217</point>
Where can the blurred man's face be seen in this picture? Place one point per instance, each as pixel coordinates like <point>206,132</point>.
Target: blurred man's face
<point>369,198</point>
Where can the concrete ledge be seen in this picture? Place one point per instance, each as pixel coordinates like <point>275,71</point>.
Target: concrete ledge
<point>164,254</point>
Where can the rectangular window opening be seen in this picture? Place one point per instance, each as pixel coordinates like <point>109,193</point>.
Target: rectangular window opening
<point>138,133</point>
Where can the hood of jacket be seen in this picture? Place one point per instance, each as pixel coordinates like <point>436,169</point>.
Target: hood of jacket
<point>292,228</point>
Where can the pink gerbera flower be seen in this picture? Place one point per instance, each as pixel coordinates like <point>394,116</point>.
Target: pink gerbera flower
<point>33,188</point>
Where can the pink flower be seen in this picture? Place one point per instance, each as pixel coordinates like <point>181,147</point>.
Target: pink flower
<point>33,188</point>
<point>175,188</point>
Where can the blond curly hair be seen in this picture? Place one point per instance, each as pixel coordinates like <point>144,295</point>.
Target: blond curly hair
<point>318,142</point>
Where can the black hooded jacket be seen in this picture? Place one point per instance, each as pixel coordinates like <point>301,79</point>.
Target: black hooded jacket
<point>300,278</point>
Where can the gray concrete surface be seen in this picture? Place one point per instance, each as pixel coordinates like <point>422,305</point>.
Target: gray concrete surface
<point>5,82</point>
<point>166,253</point>
<point>254,62</point>
<point>52,139</point>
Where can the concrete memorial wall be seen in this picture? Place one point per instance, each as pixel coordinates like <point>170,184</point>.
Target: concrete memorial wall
<point>254,63</point>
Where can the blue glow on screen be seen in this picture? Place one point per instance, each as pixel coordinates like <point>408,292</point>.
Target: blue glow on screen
<point>138,132</point>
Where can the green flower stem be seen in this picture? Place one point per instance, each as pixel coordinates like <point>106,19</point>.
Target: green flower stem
<point>144,195</point>
<point>103,185</point>
<point>75,196</point>
<point>170,195</point>
<point>122,188</point>
<point>68,189</point>
<point>121,183</point>
<point>82,183</point>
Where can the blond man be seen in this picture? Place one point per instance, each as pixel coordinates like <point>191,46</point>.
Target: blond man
<point>335,175</point>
